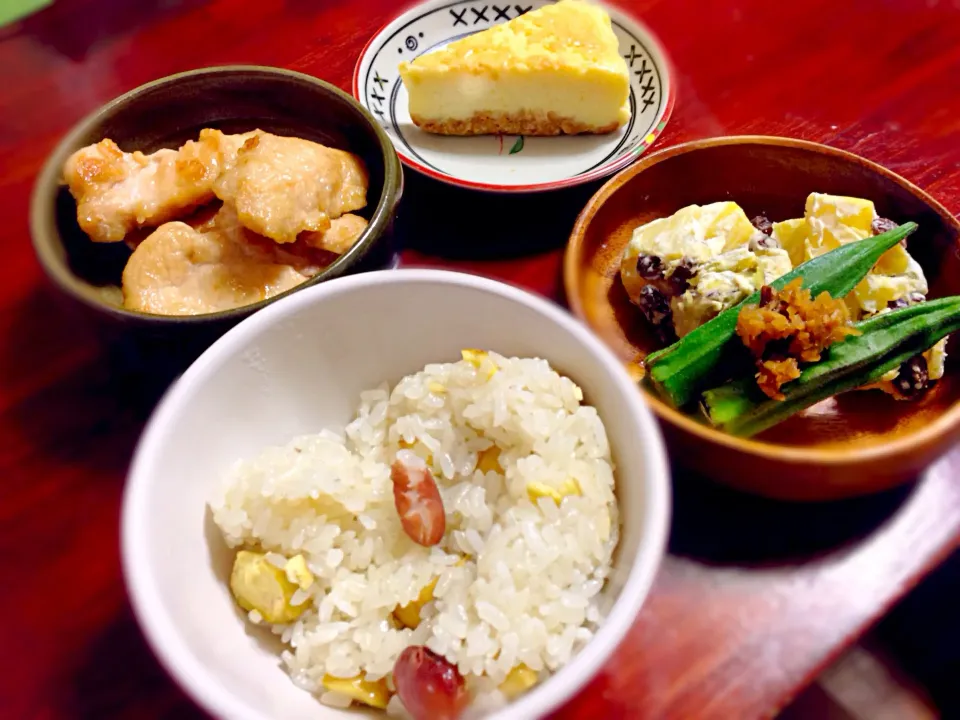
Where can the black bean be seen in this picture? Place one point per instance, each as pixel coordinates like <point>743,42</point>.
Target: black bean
<point>763,224</point>
<point>882,225</point>
<point>681,275</point>
<point>649,267</point>
<point>913,377</point>
<point>654,306</point>
<point>911,299</point>
<point>762,242</point>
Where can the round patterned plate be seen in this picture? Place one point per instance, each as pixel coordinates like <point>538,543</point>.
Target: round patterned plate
<point>500,162</point>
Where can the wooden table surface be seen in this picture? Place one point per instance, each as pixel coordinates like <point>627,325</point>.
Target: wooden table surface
<point>754,597</point>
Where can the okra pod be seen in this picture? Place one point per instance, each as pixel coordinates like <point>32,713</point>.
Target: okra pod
<point>681,371</point>
<point>885,342</point>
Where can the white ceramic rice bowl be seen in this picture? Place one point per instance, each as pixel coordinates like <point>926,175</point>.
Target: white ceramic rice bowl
<point>298,367</point>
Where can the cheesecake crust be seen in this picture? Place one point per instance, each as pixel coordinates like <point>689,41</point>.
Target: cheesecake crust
<point>526,122</point>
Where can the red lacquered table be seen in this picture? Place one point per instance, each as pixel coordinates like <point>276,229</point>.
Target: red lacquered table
<point>754,597</point>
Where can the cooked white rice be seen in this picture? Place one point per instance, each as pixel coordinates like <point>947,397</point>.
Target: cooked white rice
<point>528,592</point>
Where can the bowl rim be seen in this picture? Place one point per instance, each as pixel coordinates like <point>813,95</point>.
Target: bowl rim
<point>165,638</point>
<point>623,13</point>
<point>46,187</point>
<point>833,457</point>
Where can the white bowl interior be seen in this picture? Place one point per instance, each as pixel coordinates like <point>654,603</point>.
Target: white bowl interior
<point>298,367</point>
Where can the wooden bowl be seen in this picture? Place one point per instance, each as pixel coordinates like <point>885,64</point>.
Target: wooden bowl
<point>853,444</point>
<point>166,113</point>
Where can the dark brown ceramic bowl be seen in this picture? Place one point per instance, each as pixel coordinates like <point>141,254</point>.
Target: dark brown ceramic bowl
<point>854,444</point>
<point>172,110</point>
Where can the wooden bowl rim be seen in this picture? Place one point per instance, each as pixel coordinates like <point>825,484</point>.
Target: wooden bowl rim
<point>836,457</point>
<point>43,226</point>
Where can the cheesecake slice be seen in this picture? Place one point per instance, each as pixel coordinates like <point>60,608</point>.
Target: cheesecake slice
<point>552,71</point>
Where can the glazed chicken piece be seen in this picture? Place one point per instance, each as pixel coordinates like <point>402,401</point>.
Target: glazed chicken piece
<point>282,186</point>
<point>195,218</point>
<point>117,192</point>
<point>226,146</point>
<point>339,237</point>
<point>213,266</point>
